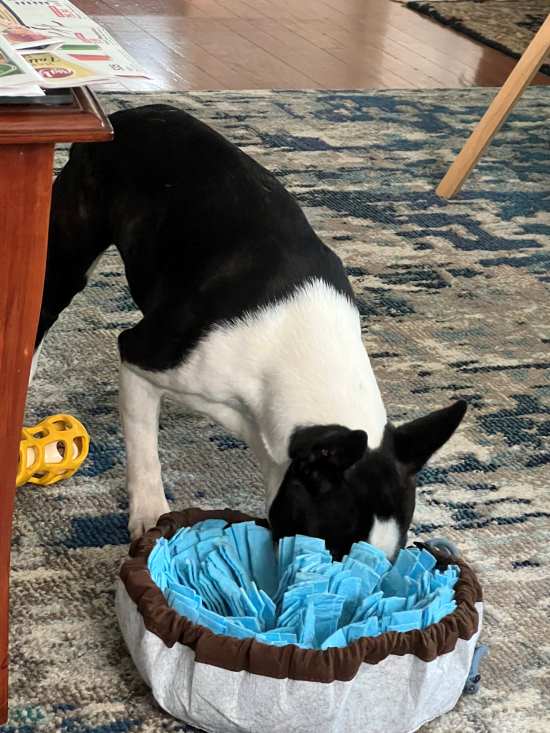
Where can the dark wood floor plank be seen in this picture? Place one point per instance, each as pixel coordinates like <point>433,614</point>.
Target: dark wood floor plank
<point>371,51</point>
<point>327,69</point>
<point>169,69</point>
<point>244,44</point>
<point>398,46</point>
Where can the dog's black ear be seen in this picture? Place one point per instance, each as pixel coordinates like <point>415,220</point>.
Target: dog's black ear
<point>415,442</point>
<point>328,447</point>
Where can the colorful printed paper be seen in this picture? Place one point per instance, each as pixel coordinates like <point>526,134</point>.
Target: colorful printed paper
<point>56,69</point>
<point>17,78</point>
<point>61,43</point>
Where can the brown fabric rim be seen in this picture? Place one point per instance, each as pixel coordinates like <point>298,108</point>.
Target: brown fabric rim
<point>289,661</point>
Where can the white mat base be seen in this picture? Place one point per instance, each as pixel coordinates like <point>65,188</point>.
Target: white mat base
<point>398,695</point>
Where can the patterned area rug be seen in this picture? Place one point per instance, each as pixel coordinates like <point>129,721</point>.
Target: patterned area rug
<point>507,25</point>
<point>454,297</point>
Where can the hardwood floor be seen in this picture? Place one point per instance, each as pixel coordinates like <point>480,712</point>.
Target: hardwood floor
<point>302,44</point>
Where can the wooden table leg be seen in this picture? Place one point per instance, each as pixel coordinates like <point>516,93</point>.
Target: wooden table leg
<point>500,108</point>
<point>25,192</point>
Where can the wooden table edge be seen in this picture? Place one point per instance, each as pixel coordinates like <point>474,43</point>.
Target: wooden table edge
<point>28,134</point>
<point>81,121</point>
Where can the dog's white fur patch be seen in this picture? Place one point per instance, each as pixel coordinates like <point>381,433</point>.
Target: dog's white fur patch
<point>296,363</point>
<point>139,403</point>
<point>385,535</point>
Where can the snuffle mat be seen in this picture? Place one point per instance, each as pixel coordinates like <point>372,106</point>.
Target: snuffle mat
<point>233,636</point>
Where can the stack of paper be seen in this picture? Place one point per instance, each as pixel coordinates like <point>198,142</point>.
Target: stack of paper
<point>229,579</point>
<point>51,44</point>
<point>17,77</point>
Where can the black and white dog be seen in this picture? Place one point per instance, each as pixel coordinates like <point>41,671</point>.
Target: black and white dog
<point>247,318</point>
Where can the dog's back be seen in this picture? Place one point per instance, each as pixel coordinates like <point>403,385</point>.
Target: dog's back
<point>206,234</point>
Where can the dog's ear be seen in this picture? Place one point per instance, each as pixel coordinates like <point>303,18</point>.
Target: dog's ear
<point>415,442</point>
<point>326,449</point>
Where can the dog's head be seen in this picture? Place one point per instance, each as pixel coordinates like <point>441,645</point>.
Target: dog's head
<point>338,488</point>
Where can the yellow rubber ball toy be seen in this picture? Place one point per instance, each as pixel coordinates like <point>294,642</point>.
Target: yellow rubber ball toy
<point>52,450</point>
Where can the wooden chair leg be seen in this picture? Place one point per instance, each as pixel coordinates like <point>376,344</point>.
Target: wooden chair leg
<point>25,190</point>
<point>500,108</point>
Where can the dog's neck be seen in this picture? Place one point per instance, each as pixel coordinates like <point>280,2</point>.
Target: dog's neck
<point>316,372</point>
<point>295,363</point>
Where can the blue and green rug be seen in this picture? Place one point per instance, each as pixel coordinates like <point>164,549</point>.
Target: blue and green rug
<point>455,303</point>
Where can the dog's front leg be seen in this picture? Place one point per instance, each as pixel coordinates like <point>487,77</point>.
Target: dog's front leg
<point>139,410</point>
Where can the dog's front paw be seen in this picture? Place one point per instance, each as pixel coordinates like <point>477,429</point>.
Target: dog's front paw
<point>144,515</point>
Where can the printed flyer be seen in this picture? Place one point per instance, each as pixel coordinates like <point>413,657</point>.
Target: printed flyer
<point>17,78</point>
<point>57,45</point>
